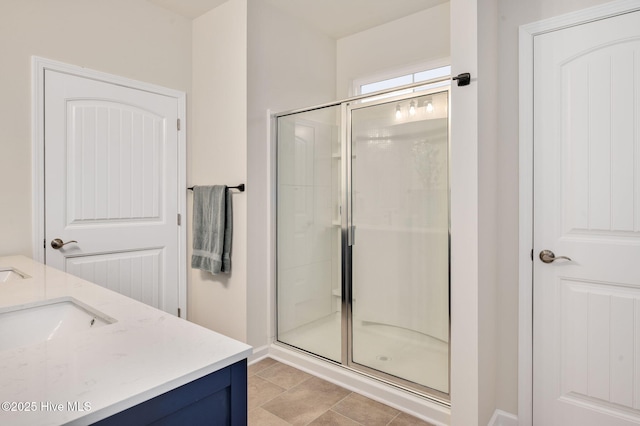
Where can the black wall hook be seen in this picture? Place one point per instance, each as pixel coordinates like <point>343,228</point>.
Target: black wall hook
<point>463,79</point>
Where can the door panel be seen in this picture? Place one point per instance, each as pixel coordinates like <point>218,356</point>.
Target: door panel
<point>590,315</point>
<point>114,170</point>
<point>586,207</point>
<point>308,268</point>
<point>111,173</point>
<point>400,253</point>
<point>599,113</point>
<point>135,274</point>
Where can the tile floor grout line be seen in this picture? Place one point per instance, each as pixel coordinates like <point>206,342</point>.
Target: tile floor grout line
<point>268,401</point>
<point>348,418</point>
<point>292,387</point>
<point>284,390</point>
<point>279,363</point>
<point>336,413</point>
<point>265,369</point>
<point>394,417</point>
<point>261,406</point>
<point>274,414</point>
<point>345,397</point>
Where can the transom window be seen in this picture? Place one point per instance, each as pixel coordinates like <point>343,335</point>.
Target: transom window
<point>403,80</point>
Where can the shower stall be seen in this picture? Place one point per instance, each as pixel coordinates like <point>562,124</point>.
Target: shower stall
<point>362,208</point>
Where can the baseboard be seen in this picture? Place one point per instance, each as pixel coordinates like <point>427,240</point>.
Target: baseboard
<point>502,418</point>
<point>258,354</point>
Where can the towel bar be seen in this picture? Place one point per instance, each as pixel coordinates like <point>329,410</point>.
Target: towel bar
<point>238,187</point>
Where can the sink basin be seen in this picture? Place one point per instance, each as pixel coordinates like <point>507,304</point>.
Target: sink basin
<point>54,319</point>
<point>9,274</point>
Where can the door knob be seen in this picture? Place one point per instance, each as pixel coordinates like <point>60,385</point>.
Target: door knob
<point>547,256</point>
<point>58,243</point>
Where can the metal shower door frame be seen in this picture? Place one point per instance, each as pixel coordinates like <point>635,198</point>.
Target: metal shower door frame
<point>348,241</point>
<point>347,230</point>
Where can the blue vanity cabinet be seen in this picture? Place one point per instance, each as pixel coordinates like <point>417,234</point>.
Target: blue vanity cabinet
<point>218,399</point>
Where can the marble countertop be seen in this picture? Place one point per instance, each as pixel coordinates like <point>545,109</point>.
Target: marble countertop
<point>103,370</point>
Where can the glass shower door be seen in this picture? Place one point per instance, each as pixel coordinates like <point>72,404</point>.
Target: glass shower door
<point>308,231</point>
<point>400,247</point>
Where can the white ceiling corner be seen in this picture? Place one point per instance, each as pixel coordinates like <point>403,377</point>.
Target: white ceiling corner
<point>188,8</point>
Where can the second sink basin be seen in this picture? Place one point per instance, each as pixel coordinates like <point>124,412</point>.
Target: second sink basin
<point>62,317</point>
<point>9,274</point>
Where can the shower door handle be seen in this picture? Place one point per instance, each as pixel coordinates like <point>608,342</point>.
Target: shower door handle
<point>351,235</point>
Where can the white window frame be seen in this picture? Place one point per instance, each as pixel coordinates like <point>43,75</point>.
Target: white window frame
<point>397,72</point>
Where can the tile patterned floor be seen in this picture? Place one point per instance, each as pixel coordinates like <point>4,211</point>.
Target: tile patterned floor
<point>280,395</point>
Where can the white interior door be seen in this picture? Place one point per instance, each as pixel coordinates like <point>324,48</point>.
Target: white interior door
<point>111,186</point>
<point>586,333</point>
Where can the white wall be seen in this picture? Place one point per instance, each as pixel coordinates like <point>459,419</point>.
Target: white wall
<point>488,249</point>
<point>512,14</point>
<point>289,66</point>
<point>218,155</point>
<point>130,38</point>
<point>465,353</point>
<point>414,39</point>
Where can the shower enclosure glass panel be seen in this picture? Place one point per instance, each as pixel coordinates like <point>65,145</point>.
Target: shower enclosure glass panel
<point>362,269</point>
<point>400,249</point>
<point>308,231</point>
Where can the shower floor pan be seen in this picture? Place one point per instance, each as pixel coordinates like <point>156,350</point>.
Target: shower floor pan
<point>403,353</point>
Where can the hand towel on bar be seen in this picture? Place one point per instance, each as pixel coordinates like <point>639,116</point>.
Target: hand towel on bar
<point>212,229</point>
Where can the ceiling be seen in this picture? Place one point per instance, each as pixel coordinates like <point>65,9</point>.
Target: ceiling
<point>188,8</point>
<point>336,18</point>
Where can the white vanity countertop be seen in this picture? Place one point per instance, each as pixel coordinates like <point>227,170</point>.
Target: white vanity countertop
<point>108,369</point>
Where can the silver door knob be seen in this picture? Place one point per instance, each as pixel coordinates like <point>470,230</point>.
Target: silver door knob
<point>547,256</point>
<point>58,243</point>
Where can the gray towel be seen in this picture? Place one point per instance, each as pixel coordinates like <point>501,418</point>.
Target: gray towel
<point>212,229</point>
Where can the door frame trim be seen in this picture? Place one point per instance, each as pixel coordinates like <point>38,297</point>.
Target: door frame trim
<point>527,33</point>
<point>38,67</point>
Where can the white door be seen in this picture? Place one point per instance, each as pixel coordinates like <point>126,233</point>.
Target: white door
<point>111,185</point>
<point>586,333</point>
